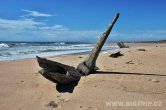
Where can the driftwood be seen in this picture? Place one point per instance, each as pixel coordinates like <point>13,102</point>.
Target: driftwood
<point>64,74</point>
<point>57,72</point>
<point>141,50</point>
<point>122,45</point>
<point>116,55</point>
<point>89,65</point>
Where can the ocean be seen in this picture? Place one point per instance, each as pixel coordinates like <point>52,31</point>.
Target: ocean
<point>21,50</point>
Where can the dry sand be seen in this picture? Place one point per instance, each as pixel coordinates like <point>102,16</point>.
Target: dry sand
<point>23,88</point>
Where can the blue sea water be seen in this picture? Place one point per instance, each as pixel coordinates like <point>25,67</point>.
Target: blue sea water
<point>21,50</point>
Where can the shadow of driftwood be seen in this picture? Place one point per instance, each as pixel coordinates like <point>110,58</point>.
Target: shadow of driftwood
<point>107,72</point>
<point>70,87</point>
<point>61,87</point>
<point>66,88</point>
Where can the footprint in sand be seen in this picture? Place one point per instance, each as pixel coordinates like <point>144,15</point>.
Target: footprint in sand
<point>64,99</point>
<point>85,108</point>
<point>19,82</point>
<point>58,96</point>
<point>52,104</point>
<point>130,62</point>
<point>154,80</point>
<point>61,99</point>
<point>95,86</point>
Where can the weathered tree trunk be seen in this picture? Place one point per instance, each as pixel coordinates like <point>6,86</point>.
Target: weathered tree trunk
<point>57,72</point>
<point>64,74</point>
<point>89,64</point>
<point>122,45</point>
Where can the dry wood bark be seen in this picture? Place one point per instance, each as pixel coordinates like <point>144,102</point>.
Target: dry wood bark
<point>58,72</point>
<point>64,74</point>
<point>88,66</point>
<point>122,45</point>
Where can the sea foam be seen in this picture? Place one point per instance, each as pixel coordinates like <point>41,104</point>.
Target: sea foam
<point>3,45</point>
<point>21,50</point>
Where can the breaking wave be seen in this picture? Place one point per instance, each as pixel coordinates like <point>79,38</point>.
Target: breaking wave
<point>4,45</point>
<point>20,50</point>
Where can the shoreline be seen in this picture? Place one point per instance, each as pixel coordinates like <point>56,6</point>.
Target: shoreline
<point>51,50</point>
<point>131,45</point>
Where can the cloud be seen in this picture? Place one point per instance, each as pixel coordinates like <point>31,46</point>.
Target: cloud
<point>36,14</point>
<point>31,30</point>
<point>19,24</point>
<point>54,27</point>
<point>74,35</point>
<point>146,35</point>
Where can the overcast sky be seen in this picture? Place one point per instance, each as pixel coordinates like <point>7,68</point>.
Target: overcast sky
<point>81,20</point>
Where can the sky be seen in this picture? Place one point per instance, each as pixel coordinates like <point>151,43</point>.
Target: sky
<point>81,20</point>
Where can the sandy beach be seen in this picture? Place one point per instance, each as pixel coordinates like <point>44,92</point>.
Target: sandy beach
<point>137,80</point>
